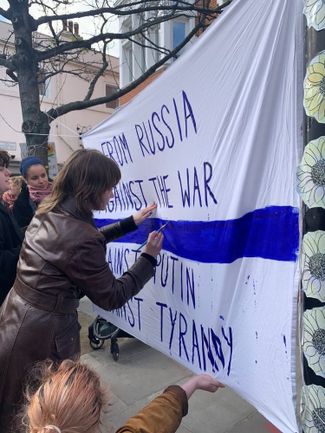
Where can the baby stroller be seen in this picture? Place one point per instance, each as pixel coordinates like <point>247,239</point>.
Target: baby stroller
<point>100,330</point>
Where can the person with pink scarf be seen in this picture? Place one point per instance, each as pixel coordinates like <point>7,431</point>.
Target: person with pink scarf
<point>33,192</point>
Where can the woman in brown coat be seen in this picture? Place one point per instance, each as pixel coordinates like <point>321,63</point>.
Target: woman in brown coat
<point>64,257</point>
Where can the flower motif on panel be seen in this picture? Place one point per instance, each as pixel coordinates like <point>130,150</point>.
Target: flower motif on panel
<point>313,265</point>
<point>314,88</point>
<point>313,409</point>
<point>311,174</point>
<point>313,344</point>
<point>314,11</point>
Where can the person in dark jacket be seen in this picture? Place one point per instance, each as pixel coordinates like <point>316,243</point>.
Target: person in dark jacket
<point>10,235</point>
<point>63,256</point>
<point>70,399</point>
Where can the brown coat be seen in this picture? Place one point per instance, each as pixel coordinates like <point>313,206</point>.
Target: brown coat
<point>161,415</point>
<point>63,255</point>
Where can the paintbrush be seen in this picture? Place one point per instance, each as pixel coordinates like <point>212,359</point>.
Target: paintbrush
<point>158,231</point>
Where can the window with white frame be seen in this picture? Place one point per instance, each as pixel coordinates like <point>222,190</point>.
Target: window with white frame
<point>127,63</point>
<point>126,54</point>
<point>153,53</point>
<point>179,30</point>
<point>139,59</point>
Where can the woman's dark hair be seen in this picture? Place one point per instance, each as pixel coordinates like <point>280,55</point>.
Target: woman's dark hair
<point>85,176</point>
<point>4,158</point>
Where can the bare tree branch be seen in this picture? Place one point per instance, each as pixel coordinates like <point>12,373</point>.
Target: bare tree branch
<point>153,46</point>
<point>12,75</point>
<point>4,62</point>
<point>130,10</point>
<point>5,13</point>
<point>32,58</point>
<point>87,43</point>
<point>80,105</point>
<point>99,73</point>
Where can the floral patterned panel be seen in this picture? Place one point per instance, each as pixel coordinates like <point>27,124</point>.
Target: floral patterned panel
<point>314,340</point>
<point>315,13</point>
<point>311,187</point>
<point>313,407</point>
<point>313,262</point>
<point>314,88</point>
<point>311,174</point>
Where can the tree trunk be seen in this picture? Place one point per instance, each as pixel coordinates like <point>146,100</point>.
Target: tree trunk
<point>36,128</point>
<point>36,125</point>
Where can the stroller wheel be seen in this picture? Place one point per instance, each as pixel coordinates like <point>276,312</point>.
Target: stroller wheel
<point>102,329</point>
<point>115,351</point>
<point>96,343</point>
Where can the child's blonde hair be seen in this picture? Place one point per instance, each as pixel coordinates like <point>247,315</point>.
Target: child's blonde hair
<point>16,181</point>
<point>69,400</point>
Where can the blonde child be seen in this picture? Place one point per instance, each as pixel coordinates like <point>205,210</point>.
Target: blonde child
<point>70,399</point>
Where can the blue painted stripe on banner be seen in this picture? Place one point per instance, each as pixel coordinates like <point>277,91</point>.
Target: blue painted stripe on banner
<point>269,233</point>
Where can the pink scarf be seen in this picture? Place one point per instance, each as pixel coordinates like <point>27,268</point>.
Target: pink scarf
<point>37,195</point>
<point>9,199</point>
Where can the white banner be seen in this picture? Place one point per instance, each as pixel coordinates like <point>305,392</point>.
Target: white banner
<point>215,142</point>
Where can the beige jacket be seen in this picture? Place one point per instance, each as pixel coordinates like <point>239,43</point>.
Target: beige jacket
<point>161,415</point>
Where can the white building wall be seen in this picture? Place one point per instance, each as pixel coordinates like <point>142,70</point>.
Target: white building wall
<point>65,129</point>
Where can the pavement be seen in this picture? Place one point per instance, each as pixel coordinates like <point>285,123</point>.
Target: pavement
<point>142,372</point>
